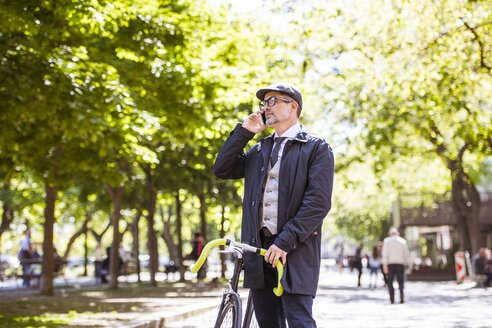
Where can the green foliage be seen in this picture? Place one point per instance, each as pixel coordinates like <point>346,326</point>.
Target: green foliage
<point>398,88</point>
<point>88,85</point>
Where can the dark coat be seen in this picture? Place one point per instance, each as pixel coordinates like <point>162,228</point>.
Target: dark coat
<point>304,199</point>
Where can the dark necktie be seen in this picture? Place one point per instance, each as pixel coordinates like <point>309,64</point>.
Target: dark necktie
<point>276,149</point>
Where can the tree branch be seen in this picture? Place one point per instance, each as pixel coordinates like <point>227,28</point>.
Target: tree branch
<point>440,148</point>
<point>82,229</point>
<point>480,44</point>
<point>462,151</point>
<point>109,190</point>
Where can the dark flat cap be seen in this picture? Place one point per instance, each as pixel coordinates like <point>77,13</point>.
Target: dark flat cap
<point>283,87</point>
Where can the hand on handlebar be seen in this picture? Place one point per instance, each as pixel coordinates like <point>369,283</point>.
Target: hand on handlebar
<point>273,254</point>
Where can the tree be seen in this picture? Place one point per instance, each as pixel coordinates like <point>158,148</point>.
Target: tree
<point>413,79</point>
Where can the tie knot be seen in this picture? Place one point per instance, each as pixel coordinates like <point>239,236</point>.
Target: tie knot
<point>276,149</point>
<point>278,140</point>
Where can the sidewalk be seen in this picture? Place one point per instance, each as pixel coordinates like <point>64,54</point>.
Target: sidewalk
<point>338,303</point>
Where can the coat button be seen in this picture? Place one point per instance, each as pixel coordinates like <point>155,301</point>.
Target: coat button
<point>253,203</point>
<point>253,241</point>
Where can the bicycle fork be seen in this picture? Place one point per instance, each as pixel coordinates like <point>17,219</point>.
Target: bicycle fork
<point>232,285</point>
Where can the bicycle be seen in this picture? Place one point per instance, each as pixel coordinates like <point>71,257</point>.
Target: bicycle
<point>230,310</point>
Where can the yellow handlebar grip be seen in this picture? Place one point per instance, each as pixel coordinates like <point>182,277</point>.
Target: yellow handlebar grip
<point>204,254</point>
<point>279,289</point>
<point>280,270</point>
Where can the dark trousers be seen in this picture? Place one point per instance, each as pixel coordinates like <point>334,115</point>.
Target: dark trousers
<point>385,278</point>
<point>272,311</point>
<point>397,270</point>
<point>359,273</point>
<point>26,268</point>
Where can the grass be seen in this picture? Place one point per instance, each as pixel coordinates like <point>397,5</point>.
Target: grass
<point>84,308</point>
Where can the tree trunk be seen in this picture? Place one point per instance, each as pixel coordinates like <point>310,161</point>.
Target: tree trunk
<point>7,218</point>
<point>7,214</point>
<point>114,263</point>
<point>136,241</point>
<point>151,234</point>
<point>203,218</point>
<point>466,207</point>
<point>180,238</point>
<point>168,237</point>
<point>46,286</point>
<point>86,252</point>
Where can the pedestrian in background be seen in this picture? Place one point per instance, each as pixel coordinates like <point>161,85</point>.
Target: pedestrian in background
<point>25,254</point>
<point>195,254</point>
<point>395,260</point>
<point>288,182</point>
<point>98,261</point>
<point>385,276</point>
<point>483,265</point>
<point>374,264</point>
<point>357,264</point>
<point>340,258</point>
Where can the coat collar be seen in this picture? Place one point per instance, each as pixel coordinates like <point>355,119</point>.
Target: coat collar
<point>302,136</point>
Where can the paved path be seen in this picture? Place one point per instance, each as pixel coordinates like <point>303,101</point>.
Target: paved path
<point>428,304</point>
<point>338,304</point>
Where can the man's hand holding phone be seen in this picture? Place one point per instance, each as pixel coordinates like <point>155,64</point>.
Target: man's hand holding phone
<point>255,122</point>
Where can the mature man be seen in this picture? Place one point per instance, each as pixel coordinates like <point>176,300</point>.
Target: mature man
<point>395,259</point>
<point>288,182</point>
<point>483,265</point>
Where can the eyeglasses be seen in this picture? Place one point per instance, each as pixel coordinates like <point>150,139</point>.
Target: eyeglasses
<point>270,102</point>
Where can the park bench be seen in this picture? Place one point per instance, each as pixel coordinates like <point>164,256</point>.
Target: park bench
<point>170,268</point>
<point>35,270</point>
<point>126,269</point>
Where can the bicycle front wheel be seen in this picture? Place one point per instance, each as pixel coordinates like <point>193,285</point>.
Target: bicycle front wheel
<point>230,314</point>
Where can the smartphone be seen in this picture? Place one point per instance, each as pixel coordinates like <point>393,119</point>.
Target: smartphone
<point>263,118</point>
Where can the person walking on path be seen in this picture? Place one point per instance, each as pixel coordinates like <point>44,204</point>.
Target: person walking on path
<point>195,254</point>
<point>25,253</point>
<point>340,258</point>
<point>374,264</point>
<point>287,194</point>
<point>358,262</point>
<point>380,250</point>
<point>395,260</point>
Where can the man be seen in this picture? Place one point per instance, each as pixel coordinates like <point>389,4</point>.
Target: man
<point>483,265</point>
<point>287,194</point>
<point>358,262</point>
<point>395,259</point>
<point>25,255</point>
<point>195,254</point>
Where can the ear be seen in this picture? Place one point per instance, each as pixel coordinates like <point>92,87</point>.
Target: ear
<point>293,106</point>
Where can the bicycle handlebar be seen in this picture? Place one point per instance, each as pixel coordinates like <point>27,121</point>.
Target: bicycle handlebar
<point>243,247</point>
